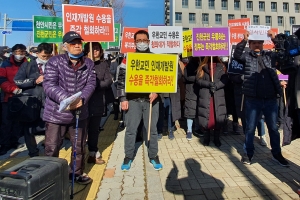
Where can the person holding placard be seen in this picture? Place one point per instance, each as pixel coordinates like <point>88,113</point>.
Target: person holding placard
<point>211,103</point>
<point>261,89</point>
<point>137,107</point>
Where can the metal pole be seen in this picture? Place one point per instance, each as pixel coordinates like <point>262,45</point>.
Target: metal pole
<point>4,27</point>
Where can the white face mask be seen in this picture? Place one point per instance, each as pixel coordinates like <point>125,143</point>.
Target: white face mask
<point>7,55</point>
<point>42,61</point>
<point>33,54</point>
<point>19,57</point>
<point>141,46</point>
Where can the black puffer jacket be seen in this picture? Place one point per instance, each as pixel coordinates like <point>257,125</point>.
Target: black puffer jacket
<point>103,82</point>
<point>220,79</point>
<point>191,90</point>
<point>250,61</point>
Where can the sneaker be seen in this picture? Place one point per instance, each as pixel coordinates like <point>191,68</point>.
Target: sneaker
<point>17,145</point>
<point>126,164</point>
<point>171,135</point>
<point>235,128</point>
<point>281,160</point>
<point>83,179</point>
<point>189,136</point>
<point>156,164</point>
<point>246,159</point>
<point>159,136</point>
<point>263,141</point>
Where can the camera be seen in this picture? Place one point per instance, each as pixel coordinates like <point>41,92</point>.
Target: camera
<point>287,51</point>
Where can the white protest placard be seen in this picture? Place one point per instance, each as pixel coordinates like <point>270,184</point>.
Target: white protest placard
<point>165,39</point>
<point>258,32</point>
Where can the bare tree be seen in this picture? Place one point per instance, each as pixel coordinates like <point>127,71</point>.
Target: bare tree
<point>54,6</point>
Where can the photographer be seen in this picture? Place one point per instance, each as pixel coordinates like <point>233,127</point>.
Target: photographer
<point>261,88</point>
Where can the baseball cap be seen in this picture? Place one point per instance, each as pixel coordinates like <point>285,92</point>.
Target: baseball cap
<point>33,50</point>
<point>70,36</point>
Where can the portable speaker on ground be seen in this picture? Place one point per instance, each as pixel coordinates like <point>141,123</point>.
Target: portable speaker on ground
<point>36,178</point>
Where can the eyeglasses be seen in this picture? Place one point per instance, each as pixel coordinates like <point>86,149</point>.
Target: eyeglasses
<point>144,41</point>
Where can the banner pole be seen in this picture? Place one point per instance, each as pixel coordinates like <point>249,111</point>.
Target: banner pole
<point>91,51</point>
<point>149,123</point>
<point>242,103</point>
<point>284,96</point>
<point>53,46</point>
<point>211,69</point>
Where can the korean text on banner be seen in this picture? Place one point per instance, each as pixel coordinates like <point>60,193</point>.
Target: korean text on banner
<point>268,44</point>
<point>258,32</point>
<point>116,43</point>
<point>239,22</point>
<point>146,73</point>
<point>127,44</point>
<point>187,44</point>
<point>236,35</point>
<point>47,29</point>
<point>211,41</point>
<point>165,39</point>
<point>91,22</point>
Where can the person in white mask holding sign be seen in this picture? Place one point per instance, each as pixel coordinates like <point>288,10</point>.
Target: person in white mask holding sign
<point>10,130</point>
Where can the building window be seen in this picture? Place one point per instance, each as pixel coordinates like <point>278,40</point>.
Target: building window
<point>211,4</point>
<point>224,5</point>
<point>297,7</point>
<point>268,20</point>
<point>249,6</point>
<point>185,3</point>
<point>292,20</point>
<point>285,7</point>
<point>243,16</point>
<point>237,5</point>
<point>255,19</point>
<point>218,19</point>
<point>178,17</point>
<point>205,18</point>
<point>198,3</point>
<point>274,6</point>
<point>287,33</point>
<point>185,29</point>
<point>262,6</point>
<point>280,20</point>
<point>230,16</point>
<point>192,17</point>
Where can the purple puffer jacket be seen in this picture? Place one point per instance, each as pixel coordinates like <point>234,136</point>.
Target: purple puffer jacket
<point>61,81</point>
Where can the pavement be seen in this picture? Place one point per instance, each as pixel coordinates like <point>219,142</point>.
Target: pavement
<point>193,171</point>
<point>190,170</point>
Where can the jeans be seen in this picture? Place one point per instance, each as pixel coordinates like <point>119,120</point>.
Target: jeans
<point>138,110</point>
<point>166,106</point>
<point>253,109</point>
<point>260,126</point>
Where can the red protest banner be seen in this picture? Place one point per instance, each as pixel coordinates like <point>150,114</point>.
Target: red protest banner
<point>239,22</point>
<point>91,22</point>
<point>236,35</point>
<point>268,44</point>
<point>128,40</point>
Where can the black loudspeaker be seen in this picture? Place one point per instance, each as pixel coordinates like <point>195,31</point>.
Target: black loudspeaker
<point>36,178</point>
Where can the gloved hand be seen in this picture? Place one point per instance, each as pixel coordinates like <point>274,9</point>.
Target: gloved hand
<point>212,87</point>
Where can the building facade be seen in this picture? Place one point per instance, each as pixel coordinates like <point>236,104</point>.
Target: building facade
<point>205,13</point>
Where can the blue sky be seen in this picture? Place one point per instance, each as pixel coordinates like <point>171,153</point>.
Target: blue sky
<point>137,13</point>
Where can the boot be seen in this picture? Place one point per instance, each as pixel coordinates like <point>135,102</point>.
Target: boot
<point>206,137</point>
<point>217,141</point>
<point>235,128</point>
<point>116,110</point>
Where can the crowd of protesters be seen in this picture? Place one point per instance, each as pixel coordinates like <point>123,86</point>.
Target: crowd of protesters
<point>206,96</point>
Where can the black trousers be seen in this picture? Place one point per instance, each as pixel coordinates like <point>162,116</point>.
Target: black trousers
<point>93,133</point>
<point>10,131</point>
